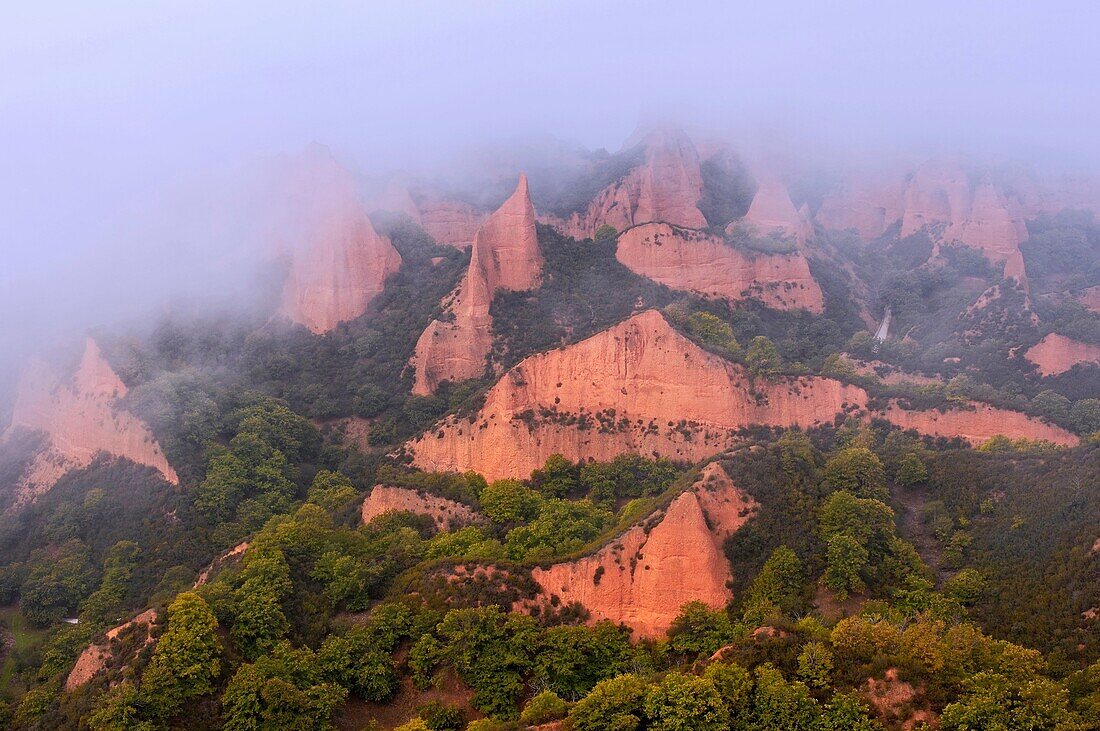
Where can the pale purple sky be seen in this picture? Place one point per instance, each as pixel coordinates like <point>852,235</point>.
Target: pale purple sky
<point>106,105</point>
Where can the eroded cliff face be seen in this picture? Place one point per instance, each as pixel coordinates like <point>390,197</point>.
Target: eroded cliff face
<point>697,262</point>
<point>505,255</point>
<point>80,418</point>
<point>639,386</point>
<point>338,262</point>
<point>773,213</point>
<point>95,656</point>
<point>447,514</point>
<point>978,423</point>
<point>1056,354</point>
<point>869,208</point>
<point>666,187</point>
<point>450,222</point>
<point>644,576</point>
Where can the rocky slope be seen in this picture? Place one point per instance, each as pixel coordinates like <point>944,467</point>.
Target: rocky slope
<point>95,656</point>
<point>338,262</point>
<point>706,265</point>
<point>644,576</point>
<point>505,255</point>
<point>1056,354</point>
<point>642,387</point>
<point>639,386</point>
<point>978,423</point>
<point>80,418</point>
<point>447,514</point>
<point>773,214</point>
<point>666,187</point>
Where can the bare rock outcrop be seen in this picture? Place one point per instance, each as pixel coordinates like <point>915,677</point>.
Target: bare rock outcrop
<point>338,262</point>
<point>938,196</point>
<point>697,262</point>
<point>81,419</point>
<point>773,214</point>
<point>1056,354</point>
<point>978,423</point>
<point>869,208</point>
<point>644,576</point>
<point>93,660</point>
<point>450,222</point>
<point>640,387</point>
<point>505,255</point>
<point>666,186</point>
<point>447,514</point>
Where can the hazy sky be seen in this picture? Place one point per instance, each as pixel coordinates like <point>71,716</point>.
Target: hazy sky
<point>106,105</point>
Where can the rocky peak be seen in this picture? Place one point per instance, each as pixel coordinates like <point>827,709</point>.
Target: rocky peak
<point>505,255</point>
<point>81,418</point>
<point>772,212</point>
<point>937,194</point>
<point>338,262</point>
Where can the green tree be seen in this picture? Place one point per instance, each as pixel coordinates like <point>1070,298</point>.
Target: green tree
<point>282,691</point>
<point>859,471</point>
<point>615,704</point>
<point>563,526</point>
<point>685,703</point>
<point>557,478</point>
<point>185,663</point>
<point>570,660</point>
<point>911,471</point>
<point>762,357</point>
<point>965,587</point>
<point>782,706</point>
<point>1051,404</point>
<point>699,631</point>
<point>846,560</point>
<point>845,712</point>
<point>778,588</point>
<point>117,710</point>
<point>1016,703</point>
<point>331,490</point>
<point>509,502</point>
<point>735,685</point>
<point>359,662</point>
<point>815,664</point>
<point>712,331</point>
<point>543,708</point>
<point>1085,415</point>
<point>56,583</point>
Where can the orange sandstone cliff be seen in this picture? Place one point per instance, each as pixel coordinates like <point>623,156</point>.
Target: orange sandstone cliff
<point>638,387</point>
<point>645,575</point>
<point>642,387</point>
<point>666,187</point>
<point>338,262</point>
<point>1056,354</point>
<point>447,514</point>
<point>80,419</point>
<point>706,265</point>
<point>505,255</point>
<point>95,656</point>
<point>773,213</point>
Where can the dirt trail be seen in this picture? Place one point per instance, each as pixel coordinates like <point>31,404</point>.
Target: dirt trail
<point>911,501</point>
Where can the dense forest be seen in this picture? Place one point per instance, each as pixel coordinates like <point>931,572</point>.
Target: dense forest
<point>886,579</point>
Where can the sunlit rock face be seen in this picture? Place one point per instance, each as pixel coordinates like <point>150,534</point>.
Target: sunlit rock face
<point>639,375</point>
<point>1056,354</point>
<point>666,187</point>
<point>446,514</point>
<point>338,262</point>
<point>694,261</point>
<point>642,387</point>
<point>643,577</point>
<point>505,256</point>
<point>773,214</point>
<point>80,417</point>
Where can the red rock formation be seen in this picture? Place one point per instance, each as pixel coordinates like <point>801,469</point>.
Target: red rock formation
<point>650,379</point>
<point>697,262</point>
<point>1090,298</point>
<point>450,222</point>
<point>80,419</point>
<point>978,424</point>
<point>506,256</point>
<point>869,208</point>
<point>338,262</point>
<point>643,577</point>
<point>95,656</point>
<point>1056,354</point>
<point>447,514</point>
<point>773,213</point>
<point>992,227</point>
<point>937,195</point>
<point>666,187</point>
<point>642,387</point>
<point>219,562</point>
